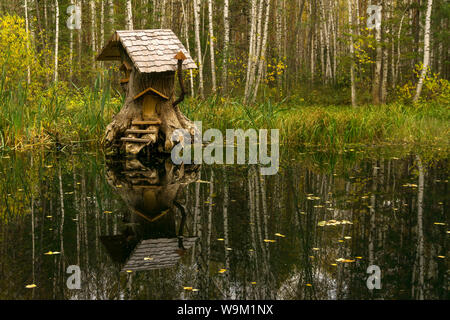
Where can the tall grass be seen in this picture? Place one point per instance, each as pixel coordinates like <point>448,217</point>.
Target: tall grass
<point>62,113</point>
<point>330,126</point>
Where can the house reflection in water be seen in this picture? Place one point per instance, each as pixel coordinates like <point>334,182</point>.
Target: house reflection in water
<point>150,239</point>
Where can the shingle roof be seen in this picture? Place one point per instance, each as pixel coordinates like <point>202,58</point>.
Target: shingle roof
<point>150,50</point>
<point>160,253</point>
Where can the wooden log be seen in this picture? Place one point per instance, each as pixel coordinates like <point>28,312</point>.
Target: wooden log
<point>137,140</point>
<point>147,122</point>
<point>141,131</point>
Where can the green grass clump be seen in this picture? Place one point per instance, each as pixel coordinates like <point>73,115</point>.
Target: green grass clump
<point>329,126</point>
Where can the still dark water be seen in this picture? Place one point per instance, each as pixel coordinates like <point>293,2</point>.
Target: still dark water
<point>140,230</point>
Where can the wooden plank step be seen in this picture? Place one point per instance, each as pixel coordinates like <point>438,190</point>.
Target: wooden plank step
<point>140,131</point>
<point>154,121</point>
<point>135,140</point>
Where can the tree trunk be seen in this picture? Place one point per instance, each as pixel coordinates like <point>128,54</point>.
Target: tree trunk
<point>426,51</point>
<point>211,45</point>
<point>226,41</point>
<point>352,62</point>
<point>199,47</point>
<point>129,16</point>
<point>55,74</point>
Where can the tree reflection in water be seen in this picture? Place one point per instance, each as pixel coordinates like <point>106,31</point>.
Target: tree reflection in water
<point>309,232</point>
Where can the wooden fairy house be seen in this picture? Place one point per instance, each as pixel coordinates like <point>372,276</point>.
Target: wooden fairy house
<point>149,60</point>
<point>151,238</point>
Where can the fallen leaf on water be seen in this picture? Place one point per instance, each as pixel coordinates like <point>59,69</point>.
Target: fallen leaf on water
<point>440,223</point>
<point>52,253</point>
<point>253,282</point>
<point>187,288</point>
<point>148,259</point>
<point>106,211</point>
<point>129,271</point>
<point>358,257</point>
<point>31,286</point>
<point>269,240</point>
<point>347,237</point>
<point>315,249</point>
<point>309,285</point>
<point>48,217</point>
<point>340,240</point>
<point>222,270</point>
<point>229,249</point>
<point>220,239</point>
<point>412,185</point>
<point>345,260</point>
<point>442,257</point>
<point>334,264</point>
<point>280,235</point>
<point>195,290</point>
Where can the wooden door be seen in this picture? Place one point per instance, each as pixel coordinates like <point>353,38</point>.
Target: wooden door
<point>149,107</point>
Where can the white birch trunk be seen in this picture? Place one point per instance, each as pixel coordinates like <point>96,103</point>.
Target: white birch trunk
<point>226,42</point>
<point>211,45</point>
<point>28,41</point>
<point>129,16</point>
<point>426,51</point>
<point>262,56</point>
<point>352,65</point>
<point>186,36</point>
<point>199,47</point>
<point>55,75</point>
<point>251,49</point>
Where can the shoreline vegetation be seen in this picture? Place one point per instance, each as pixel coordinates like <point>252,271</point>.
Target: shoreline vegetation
<point>80,116</point>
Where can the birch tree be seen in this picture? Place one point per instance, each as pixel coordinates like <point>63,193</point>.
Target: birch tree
<point>377,73</point>
<point>226,43</point>
<point>28,41</point>
<point>211,45</point>
<point>129,16</point>
<point>198,45</point>
<point>251,49</point>
<point>352,62</point>
<point>55,74</point>
<point>262,56</point>
<point>426,51</point>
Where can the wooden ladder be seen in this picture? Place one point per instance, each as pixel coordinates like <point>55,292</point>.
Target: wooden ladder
<point>145,127</point>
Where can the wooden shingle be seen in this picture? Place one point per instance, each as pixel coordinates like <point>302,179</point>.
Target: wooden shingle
<point>156,254</point>
<point>150,50</point>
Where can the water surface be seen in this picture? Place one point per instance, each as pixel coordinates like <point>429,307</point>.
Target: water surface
<point>142,230</point>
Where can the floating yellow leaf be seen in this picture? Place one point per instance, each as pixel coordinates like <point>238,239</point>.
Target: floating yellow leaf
<point>347,237</point>
<point>129,271</point>
<point>334,264</point>
<point>253,282</point>
<point>195,290</point>
<point>440,223</point>
<point>106,211</point>
<point>442,257</point>
<point>188,288</point>
<point>269,240</point>
<point>31,286</point>
<point>358,257</point>
<point>148,258</point>
<point>309,285</point>
<point>220,239</point>
<point>229,249</point>
<point>222,270</point>
<point>280,235</point>
<point>52,253</point>
<point>315,249</point>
